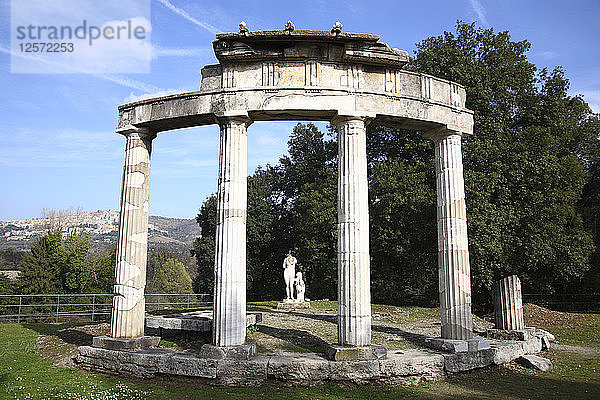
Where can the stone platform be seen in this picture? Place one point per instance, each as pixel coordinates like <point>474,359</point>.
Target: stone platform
<point>292,305</point>
<point>195,321</point>
<point>404,366</point>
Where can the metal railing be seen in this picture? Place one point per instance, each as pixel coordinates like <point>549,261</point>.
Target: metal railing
<point>568,302</point>
<point>95,306</point>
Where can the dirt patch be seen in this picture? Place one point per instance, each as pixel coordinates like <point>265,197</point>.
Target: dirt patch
<point>61,347</point>
<point>544,318</point>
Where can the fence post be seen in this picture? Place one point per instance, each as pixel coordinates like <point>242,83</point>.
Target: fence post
<point>57,306</point>
<point>20,303</point>
<point>188,300</point>
<point>93,306</point>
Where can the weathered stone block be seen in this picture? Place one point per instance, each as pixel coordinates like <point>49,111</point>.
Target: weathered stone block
<point>457,346</point>
<point>507,351</point>
<point>242,373</point>
<point>336,352</point>
<point>189,364</point>
<point>412,363</point>
<point>536,362</point>
<point>241,352</point>
<point>110,343</point>
<point>510,334</point>
<point>356,371</point>
<point>465,361</point>
<point>299,367</point>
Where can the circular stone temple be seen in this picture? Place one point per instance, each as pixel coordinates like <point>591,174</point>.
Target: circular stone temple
<point>348,79</point>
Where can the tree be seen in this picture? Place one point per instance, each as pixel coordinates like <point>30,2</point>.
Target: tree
<point>56,264</point>
<point>10,259</point>
<point>204,246</point>
<point>167,275</point>
<point>40,275</point>
<point>403,242</point>
<point>6,286</point>
<point>75,272</point>
<point>525,166</point>
<point>102,271</point>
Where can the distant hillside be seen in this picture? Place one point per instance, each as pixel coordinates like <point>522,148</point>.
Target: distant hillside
<point>176,234</point>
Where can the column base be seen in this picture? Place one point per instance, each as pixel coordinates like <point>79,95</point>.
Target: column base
<point>336,352</point>
<point>110,343</point>
<point>457,345</point>
<point>510,334</point>
<point>240,352</point>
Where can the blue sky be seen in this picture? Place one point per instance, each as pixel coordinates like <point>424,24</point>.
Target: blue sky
<point>58,148</point>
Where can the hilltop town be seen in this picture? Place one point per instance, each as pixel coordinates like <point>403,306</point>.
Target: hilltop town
<point>101,225</point>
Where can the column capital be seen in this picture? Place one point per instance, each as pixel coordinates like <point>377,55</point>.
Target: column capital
<point>346,116</point>
<point>440,133</point>
<point>240,117</point>
<point>141,132</point>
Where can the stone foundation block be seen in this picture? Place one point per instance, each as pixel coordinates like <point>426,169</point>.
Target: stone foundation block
<point>335,352</point>
<point>299,368</point>
<point>410,363</point>
<point>510,334</point>
<point>468,360</point>
<point>355,371</point>
<point>242,352</point>
<point>189,364</point>
<point>242,373</point>
<point>110,343</point>
<point>457,346</point>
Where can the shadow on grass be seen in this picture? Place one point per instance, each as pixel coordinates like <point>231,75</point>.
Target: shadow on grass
<point>63,331</point>
<point>306,341</point>
<point>412,337</point>
<point>501,383</point>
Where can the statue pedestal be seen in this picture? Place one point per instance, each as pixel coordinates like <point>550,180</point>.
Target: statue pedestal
<point>292,305</point>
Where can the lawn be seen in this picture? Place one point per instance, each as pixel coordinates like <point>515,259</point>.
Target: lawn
<point>25,374</point>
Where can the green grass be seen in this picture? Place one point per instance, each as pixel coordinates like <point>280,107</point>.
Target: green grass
<point>24,374</point>
<point>586,335</point>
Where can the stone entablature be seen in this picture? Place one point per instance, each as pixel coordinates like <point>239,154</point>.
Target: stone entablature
<point>310,75</point>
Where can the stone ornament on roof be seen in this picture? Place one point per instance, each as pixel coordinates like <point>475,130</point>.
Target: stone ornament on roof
<point>244,28</point>
<point>337,28</point>
<point>289,27</point>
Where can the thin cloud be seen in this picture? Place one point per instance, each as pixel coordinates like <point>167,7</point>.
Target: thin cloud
<point>158,51</point>
<point>72,148</point>
<point>115,78</point>
<point>150,94</point>
<point>480,11</point>
<point>593,99</point>
<point>186,15</point>
<point>547,55</point>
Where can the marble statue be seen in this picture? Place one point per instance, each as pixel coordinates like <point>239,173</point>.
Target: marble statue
<point>289,273</point>
<point>300,287</point>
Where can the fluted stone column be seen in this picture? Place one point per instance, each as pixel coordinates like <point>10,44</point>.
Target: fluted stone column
<point>453,245</point>
<point>508,304</point>
<point>229,310</point>
<point>128,308</point>
<point>354,277</point>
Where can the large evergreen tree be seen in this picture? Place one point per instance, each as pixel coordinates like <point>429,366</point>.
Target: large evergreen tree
<point>525,165</point>
<point>166,274</point>
<point>56,264</point>
<point>40,270</point>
